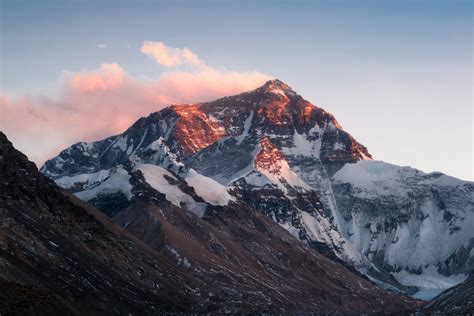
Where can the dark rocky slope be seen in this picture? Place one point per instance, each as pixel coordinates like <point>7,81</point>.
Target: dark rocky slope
<point>58,256</point>
<point>458,300</point>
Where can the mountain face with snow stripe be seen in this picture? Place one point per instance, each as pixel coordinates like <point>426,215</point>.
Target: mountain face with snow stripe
<point>387,209</point>
<point>278,153</point>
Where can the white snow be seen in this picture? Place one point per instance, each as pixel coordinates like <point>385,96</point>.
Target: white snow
<point>277,92</point>
<point>130,149</point>
<point>247,125</point>
<point>320,229</point>
<point>86,146</point>
<point>426,238</point>
<point>290,228</point>
<point>304,147</point>
<point>286,174</point>
<point>260,177</point>
<point>316,228</point>
<point>116,182</point>
<point>292,178</point>
<point>155,176</point>
<point>52,243</point>
<point>121,143</point>
<point>338,146</point>
<point>86,178</point>
<point>141,141</point>
<point>430,282</point>
<point>164,156</point>
<point>180,259</point>
<point>375,177</point>
<point>211,191</point>
<point>447,181</point>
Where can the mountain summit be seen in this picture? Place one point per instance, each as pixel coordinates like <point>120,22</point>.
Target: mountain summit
<point>273,151</point>
<point>277,86</point>
<point>273,109</point>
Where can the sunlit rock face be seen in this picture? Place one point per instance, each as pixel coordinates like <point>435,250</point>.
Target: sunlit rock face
<point>195,130</point>
<point>291,160</point>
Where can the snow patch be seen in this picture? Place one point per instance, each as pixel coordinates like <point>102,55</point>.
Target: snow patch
<point>117,182</point>
<point>155,176</point>
<point>304,147</point>
<point>182,261</point>
<point>338,146</point>
<point>88,179</point>
<point>121,143</point>
<point>430,282</point>
<point>286,174</point>
<point>247,125</point>
<point>373,177</point>
<point>210,190</point>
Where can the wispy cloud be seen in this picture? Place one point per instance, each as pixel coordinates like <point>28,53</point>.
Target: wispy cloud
<point>107,76</point>
<point>101,46</point>
<point>170,56</point>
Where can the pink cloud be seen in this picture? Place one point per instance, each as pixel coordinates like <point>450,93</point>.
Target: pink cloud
<point>206,84</point>
<point>170,56</point>
<point>103,102</point>
<point>106,77</point>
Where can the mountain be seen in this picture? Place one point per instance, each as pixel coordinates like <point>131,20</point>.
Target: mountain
<point>458,300</point>
<point>273,151</point>
<point>417,226</point>
<point>60,255</point>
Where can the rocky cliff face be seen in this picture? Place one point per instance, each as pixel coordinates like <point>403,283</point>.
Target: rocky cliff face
<point>274,151</point>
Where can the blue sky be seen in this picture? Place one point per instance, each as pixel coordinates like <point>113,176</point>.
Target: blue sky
<point>396,74</point>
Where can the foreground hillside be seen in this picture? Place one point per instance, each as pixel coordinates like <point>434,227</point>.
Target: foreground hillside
<point>61,257</point>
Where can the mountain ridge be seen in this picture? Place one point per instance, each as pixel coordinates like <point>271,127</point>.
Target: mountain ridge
<point>221,140</point>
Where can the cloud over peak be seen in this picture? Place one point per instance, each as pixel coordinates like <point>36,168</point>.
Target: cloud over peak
<point>94,104</point>
<point>106,77</point>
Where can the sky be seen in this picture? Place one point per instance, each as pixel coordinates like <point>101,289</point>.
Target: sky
<point>397,75</point>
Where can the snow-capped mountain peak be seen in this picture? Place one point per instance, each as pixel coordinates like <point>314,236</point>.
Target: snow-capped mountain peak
<point>277,87</point>
<point>272,150</point>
